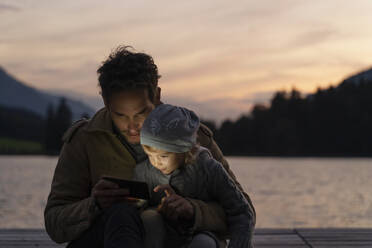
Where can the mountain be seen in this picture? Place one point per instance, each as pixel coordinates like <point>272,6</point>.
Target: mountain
<point>95,102</point>
<point>16,94</point>
<point>365,76</point>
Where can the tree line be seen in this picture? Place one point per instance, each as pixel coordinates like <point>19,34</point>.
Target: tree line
<point>335,121</point>
<point>19,125</point>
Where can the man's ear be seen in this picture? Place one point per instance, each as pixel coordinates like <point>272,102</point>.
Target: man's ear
<point>157,96</point>
<point>104,101</point>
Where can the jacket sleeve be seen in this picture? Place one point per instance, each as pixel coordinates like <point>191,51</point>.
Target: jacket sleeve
<point>70,209</point>
<point>209,214</point>
<point>238,214</point>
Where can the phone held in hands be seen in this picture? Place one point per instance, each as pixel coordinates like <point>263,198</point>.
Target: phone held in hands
<point>136,189</point>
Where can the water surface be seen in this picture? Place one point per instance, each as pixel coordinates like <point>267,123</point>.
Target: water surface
<point>286,192</point>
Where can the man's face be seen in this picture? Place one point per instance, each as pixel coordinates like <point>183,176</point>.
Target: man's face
<point>164,161</point>
<point>128,110</point>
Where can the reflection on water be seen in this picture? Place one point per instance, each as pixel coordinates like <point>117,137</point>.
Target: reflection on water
<point>287,192</point>
<point>312,192</point>
<point>24,186</point>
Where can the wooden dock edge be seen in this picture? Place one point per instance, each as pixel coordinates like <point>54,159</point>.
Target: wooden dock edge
<point>263,238</point>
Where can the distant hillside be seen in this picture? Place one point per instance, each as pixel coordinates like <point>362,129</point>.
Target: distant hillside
<point>95,102</point>
<point>363,76</point>
<point>16,94</point>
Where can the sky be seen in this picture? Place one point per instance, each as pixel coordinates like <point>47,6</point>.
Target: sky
<point>215,57</point>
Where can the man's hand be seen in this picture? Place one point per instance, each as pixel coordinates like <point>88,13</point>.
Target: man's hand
<point>107,193</point>
<point>173,206</point>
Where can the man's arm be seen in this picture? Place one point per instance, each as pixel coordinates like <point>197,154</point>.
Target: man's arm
<point>70,209</point>
<point>209,214</point>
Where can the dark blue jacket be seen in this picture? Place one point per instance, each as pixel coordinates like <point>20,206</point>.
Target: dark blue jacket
<point>206,180</point>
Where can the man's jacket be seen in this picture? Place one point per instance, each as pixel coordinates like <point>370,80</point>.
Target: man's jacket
<point>91,150</point>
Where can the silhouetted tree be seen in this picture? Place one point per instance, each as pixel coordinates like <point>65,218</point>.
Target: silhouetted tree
<point>57,123</point>
<point>21,124</point>
<point>333,121</point>
<point>50,134</point>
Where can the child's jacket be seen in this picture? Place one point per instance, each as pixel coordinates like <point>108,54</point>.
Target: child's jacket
<point>205,180</point>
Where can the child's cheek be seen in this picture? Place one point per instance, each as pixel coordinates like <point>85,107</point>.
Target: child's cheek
<point>164,161</point>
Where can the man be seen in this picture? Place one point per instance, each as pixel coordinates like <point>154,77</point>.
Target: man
<point>93,212</point>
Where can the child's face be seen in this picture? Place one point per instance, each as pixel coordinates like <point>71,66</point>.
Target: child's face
<point>164,161</point>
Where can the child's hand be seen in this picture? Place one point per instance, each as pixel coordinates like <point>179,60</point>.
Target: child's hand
<point>165,188</point>
<point>174,206</point>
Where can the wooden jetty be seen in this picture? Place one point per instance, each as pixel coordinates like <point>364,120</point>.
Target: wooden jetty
<point>264,238</point>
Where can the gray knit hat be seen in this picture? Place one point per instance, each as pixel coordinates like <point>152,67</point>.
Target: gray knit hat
<point>170,128</point>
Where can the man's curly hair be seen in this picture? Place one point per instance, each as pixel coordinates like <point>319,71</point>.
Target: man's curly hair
<point>126,69</point>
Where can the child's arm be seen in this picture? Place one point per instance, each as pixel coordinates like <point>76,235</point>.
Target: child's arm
<point>240,217</point>
<point>205,138</point>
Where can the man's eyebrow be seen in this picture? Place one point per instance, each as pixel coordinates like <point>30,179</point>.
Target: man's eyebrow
<point>138,113</point>
<point>142,111</point>
<point>118,113</point>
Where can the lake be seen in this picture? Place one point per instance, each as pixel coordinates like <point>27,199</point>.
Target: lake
<point>286,192</point>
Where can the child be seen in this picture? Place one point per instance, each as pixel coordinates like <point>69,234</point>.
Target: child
<point>168,137</point>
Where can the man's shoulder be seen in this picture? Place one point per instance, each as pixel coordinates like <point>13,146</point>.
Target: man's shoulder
<point>73,130</point>
<point>205,131</point>
<point>204,136</point>
<point>100,122</point>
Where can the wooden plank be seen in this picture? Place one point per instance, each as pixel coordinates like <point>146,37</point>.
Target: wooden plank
<point>261,231</point>
<point>257,231</point>
<point>32,246</point>
<point>337,237</point>
<point>26,238</point>
<point>27,231</point>
<point>333,230</point>
<point>23,236</point>
<point>263,238</point>
<point>27,241</point>
<point>28,244</point>
<point>280,246</point>
<point>341,244</point>
<point>278,240</point>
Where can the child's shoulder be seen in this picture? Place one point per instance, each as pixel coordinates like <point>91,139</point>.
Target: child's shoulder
<point>205,159</point>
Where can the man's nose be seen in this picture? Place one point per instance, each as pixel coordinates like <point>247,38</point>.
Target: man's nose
<point>133,125</point>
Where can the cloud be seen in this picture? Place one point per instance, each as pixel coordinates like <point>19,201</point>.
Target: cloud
<point>314,37</point>
<point>7,7</point>
<point>222,108</point>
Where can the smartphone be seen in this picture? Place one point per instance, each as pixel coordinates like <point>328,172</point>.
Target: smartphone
<point>136,189</point>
